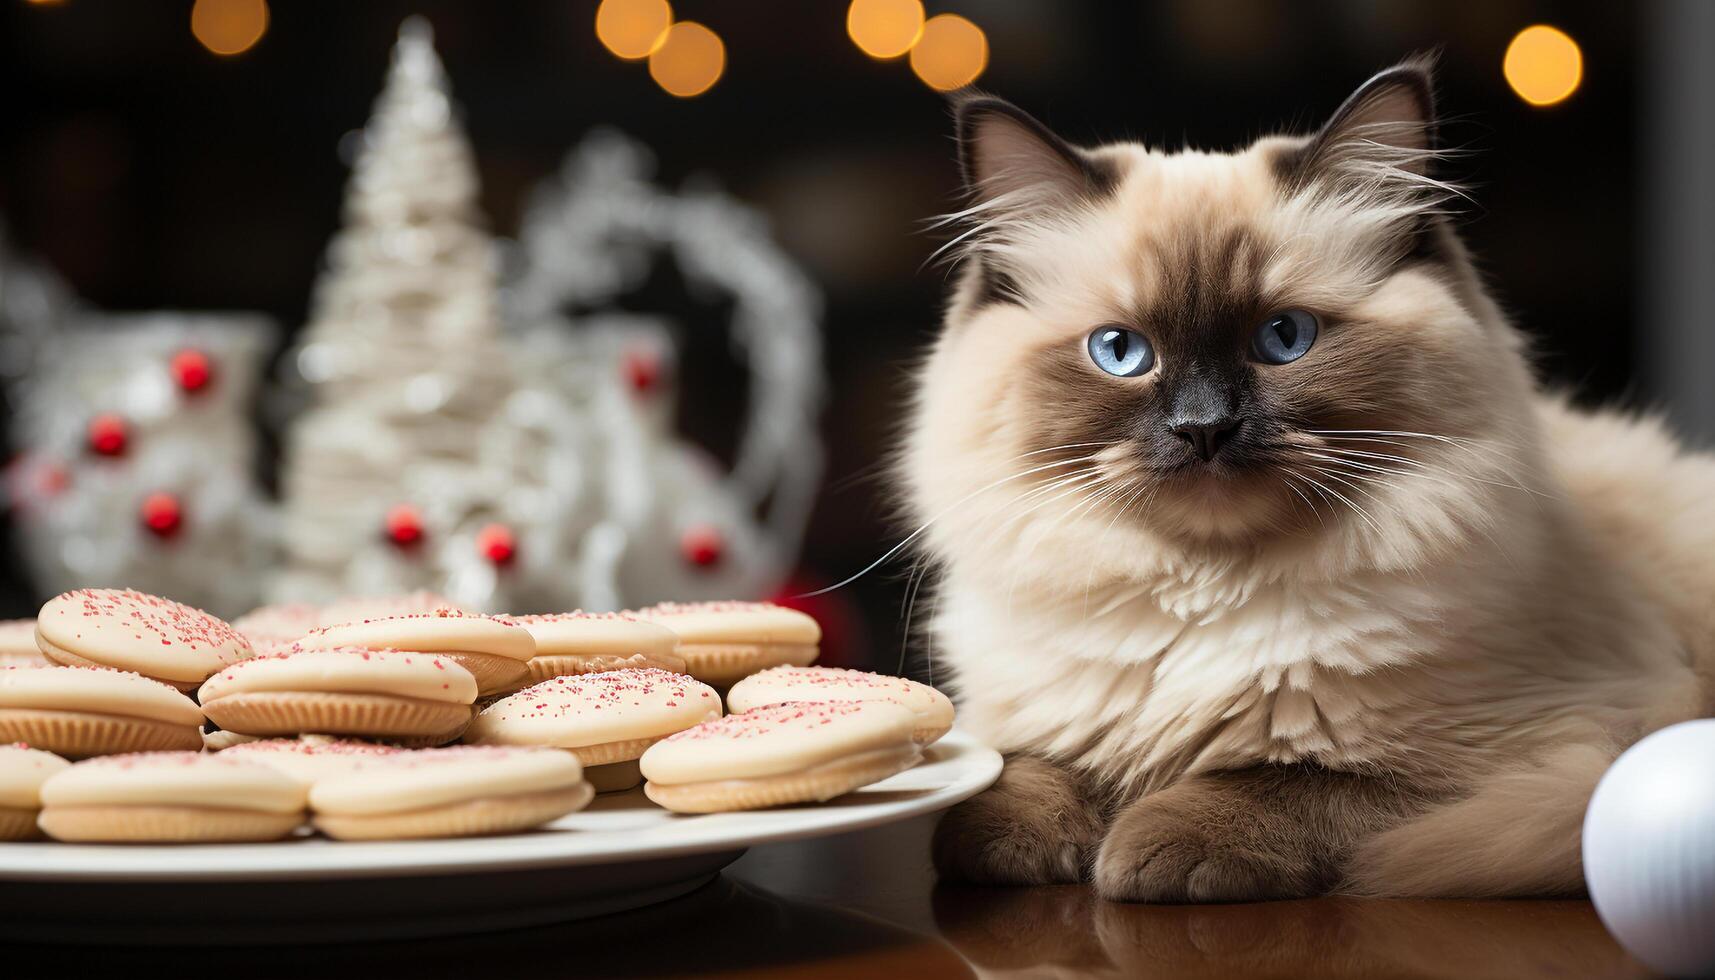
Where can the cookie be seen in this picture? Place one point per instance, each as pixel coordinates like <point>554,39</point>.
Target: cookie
<point>130,630</point>
<point>18,644</point>
<point>588,643</point>
<point>797,752</point>
<point>312,760</point>
<point>602,718</point>
<point>343,691</point>
<point>22,772</point>
<point>933,710</point>
<point>356,609</point>
<point>722,642</point>
<point>270,627</point>
<point>221,739</point>
<point>460,791</point>
<point>171,797</point>
<point>495,651</point>
<point>615,777</point>
<point>83,711</point>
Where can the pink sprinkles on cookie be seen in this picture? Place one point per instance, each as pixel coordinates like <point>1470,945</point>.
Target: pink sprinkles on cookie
<point>559,696</point>
<point>576,615</point>
<point>174,623</point>
<point>788,716</point>
<point>721,605</point>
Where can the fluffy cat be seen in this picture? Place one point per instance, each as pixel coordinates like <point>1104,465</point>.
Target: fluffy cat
<point>1262,555</point>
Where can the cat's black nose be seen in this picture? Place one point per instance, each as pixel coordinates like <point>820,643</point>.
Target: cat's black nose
<point>1206,436</point>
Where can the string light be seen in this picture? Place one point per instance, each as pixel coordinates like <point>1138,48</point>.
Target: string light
<point>229,27</point>
<point>1543,65</point>
<point>633,29</point>
<point>884,28</point>
<point>951,53</point>
<point>689,61</point>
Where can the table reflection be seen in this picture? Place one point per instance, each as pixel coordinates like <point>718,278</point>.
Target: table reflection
<point>1066,931</point>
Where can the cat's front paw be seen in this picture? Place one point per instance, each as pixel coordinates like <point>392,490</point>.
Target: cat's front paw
<point>1032,827</point>
<point>1153,854</point>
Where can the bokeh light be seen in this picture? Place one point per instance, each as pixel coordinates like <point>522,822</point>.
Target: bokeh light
<point>689,60</point>
<point>951,54</point>
<point>633,29</point>
<point>229,27</point>
<point>1543,65</point>
<point>884,28</point>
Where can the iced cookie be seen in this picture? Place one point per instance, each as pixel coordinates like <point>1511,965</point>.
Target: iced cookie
<point>312,760</point>
<point>220,740</point>
<point>933,710</point>
<point>84,711</point>
<point>460,791</point>
<point>359,608</point>
<point>495,651</point>
<point>798,752</point>
<point>171,797</point>
<point>18,644</point>
<point>271,627</point>
<point>722,642</point>
<point>615,777</point>
<point>602,718</point>
<point>22,772</point>
<point>344,691</point>
<point>588,643</point>
<point>129,630</point>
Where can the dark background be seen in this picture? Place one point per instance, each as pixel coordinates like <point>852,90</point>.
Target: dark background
<point>153,174</point>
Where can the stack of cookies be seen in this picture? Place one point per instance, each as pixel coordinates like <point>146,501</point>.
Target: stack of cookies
<point>340,718</point>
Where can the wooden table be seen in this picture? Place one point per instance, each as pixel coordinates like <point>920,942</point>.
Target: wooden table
<point>866,905</point>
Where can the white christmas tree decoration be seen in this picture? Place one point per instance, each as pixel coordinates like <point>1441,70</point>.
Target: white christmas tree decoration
<point>136,462</point>
<point>674,524</point>
<point>532,468</point>
<point>404,358</point>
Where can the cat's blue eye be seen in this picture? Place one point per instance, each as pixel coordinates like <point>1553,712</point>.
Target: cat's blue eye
<point>1121,352</point>
<point>1284,337</point>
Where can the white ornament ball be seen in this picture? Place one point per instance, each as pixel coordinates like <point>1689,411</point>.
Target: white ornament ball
<point>1649,849</point>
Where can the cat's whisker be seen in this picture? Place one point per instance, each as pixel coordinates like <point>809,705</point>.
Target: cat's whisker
<point>1356,508</point>
<point>1286,480</point>
<point>950,508</point>
<point>1442,476</point>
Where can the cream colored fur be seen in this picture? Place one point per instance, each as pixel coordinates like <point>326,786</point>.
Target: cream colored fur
<point>1495,626</point>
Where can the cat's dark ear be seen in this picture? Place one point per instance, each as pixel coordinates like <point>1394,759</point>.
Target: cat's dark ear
<point>1009,158</point>
<point>1387,124</point>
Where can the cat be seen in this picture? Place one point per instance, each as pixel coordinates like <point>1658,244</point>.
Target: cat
<point>1263,557</point>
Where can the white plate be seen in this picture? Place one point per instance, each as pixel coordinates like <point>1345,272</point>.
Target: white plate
<point>620,853</point>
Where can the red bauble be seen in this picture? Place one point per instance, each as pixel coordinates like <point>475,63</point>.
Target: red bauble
<point>702,546</point>
<point>162,514</point>
<point>496,543</point>
<point>108,434</point>
<point>404,525</point>
<point>642,370</point>
<point>192,370</point>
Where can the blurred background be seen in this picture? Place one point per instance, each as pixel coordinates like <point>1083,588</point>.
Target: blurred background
<point>156,156</point>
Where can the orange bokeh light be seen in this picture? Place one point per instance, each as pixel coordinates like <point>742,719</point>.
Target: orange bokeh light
<point>689,61</point>
<point>229,27</point>
<point>1543,65</point>
<point>633,29</point>
<point>884,28</point>
<point>951,54</point>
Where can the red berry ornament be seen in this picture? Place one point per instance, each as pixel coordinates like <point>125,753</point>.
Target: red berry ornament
<point>702,546</point>
<point>496,543</point>
<point>162,514</point>
<point>108,434</point>
<point>642,370</point>
<point>192,370</point>
<point>404,525</point>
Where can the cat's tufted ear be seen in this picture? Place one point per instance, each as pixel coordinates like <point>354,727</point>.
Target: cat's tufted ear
<point>1011,160</point>
<point>1387,124</point>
